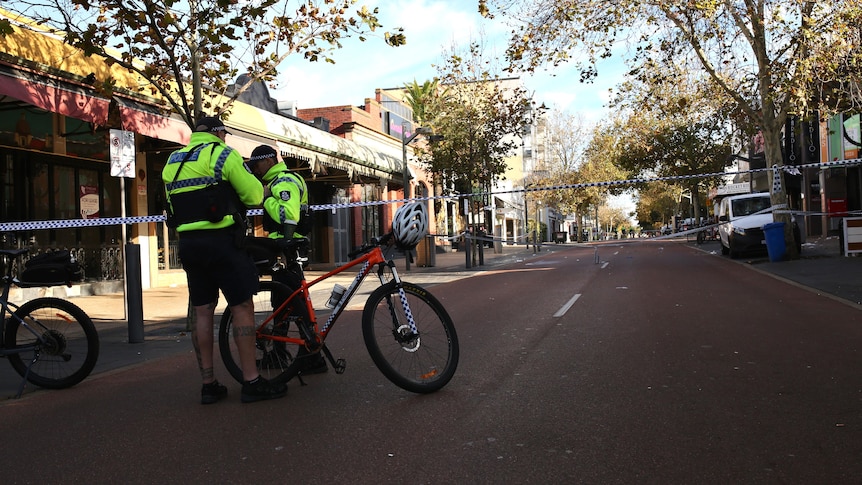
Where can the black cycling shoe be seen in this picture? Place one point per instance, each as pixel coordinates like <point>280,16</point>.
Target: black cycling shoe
<point>261,389</point>
<point>212,392</point>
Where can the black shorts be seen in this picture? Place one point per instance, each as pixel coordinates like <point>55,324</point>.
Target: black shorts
<point>213,262</point>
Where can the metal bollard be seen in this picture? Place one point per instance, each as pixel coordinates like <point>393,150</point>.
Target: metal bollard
<point>134,294</point>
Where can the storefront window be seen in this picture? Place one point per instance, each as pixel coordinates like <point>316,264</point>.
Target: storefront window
<point>41,194</point>
<point>111,206</point>
<point>371,213</point>
<point>8,181</point>
<point>167,238</point>
<point>83,142</point>
<point>65,203</point>
<point>88,201</point>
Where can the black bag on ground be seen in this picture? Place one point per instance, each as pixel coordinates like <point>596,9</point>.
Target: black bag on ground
<point>51,269</point>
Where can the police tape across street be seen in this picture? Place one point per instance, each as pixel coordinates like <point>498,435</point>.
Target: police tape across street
<point>110,221</point>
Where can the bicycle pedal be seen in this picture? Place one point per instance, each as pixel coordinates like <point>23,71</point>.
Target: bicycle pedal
<point>340,366</point>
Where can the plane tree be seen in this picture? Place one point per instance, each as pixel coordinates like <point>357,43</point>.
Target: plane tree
<point>770,58</point>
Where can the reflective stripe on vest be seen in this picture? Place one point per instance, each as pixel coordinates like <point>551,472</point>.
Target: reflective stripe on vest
<point>199,181</point>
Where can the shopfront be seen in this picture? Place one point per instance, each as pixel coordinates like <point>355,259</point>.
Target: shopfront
<point>53,167</point>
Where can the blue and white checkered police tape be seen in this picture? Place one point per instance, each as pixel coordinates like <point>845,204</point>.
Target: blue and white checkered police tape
<point>111,221</point>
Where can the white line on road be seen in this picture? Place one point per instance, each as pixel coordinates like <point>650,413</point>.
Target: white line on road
<point>562,311</point>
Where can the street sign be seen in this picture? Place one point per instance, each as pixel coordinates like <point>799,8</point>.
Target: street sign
<point>122,153</point>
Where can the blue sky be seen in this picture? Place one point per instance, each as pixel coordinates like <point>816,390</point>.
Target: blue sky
<point>431,27</point>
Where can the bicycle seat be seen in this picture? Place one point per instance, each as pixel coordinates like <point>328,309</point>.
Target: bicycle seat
<point>293,243</point>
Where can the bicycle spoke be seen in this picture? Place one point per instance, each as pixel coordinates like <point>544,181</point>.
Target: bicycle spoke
<point>422,361</point>
<point>65,339</point>
<point>273,358</point>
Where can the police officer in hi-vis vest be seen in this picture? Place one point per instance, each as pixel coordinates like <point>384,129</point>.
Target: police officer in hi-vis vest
<point>208,189</point>
<point>286,215</point>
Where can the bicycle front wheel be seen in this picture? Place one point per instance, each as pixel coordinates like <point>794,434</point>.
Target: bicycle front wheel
<point>66,342</point>
<point>272,358</point>
<point>420,362</point>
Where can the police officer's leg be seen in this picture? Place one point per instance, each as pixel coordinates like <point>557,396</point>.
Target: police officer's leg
<point>203,339</point>
<point>238,280</point>
<point>203,293</point>
<point>244,335</point>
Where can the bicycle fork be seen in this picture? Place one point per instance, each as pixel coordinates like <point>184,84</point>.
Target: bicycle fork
<point>405,334</point>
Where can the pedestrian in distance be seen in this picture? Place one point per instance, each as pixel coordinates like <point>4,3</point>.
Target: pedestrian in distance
<point>286,216</point>
<point>208,191</point>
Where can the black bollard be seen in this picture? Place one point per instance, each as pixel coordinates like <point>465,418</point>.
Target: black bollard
<point>134,293</point>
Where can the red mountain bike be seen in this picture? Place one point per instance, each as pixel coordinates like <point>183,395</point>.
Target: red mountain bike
<point>406,330</point>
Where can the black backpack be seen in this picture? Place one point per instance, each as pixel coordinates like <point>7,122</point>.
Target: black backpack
<point>51,269</point>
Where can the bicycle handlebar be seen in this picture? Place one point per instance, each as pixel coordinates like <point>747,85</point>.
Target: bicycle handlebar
<point>384,240</point>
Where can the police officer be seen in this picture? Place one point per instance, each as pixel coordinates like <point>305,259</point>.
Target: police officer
<point>285,216</point>
<point>286,207</point>
<point>208,189</point>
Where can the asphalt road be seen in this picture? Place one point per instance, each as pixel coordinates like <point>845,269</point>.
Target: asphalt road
<point>659,364</point>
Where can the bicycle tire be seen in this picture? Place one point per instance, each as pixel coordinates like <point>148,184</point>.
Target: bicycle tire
<point>420,364</point>
<point>72,342</point>
<point>273,358</point>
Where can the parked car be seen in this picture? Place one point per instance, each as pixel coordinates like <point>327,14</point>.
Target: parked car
<point>741,219</point>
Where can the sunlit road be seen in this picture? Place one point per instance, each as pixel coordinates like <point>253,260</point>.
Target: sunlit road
<point>656,364</point>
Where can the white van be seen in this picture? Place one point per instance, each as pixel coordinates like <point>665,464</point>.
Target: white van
<point>741,219</point>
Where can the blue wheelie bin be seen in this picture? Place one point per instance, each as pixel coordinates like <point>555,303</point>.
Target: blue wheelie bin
<point>775,244</point>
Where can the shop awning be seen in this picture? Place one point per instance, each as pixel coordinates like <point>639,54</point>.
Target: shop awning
<point>151,121</point>
<point>319,148</point>
<point>54,95</point>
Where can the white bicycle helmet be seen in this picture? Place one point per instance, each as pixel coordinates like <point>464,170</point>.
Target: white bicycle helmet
<point>410,225</point>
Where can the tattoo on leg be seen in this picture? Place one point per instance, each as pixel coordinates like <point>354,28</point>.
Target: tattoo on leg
<point>197,347</point>
<point>207,374</point>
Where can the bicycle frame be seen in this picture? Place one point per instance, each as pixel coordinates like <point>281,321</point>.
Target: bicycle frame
<point>369,260</point>
<point>291,336</point>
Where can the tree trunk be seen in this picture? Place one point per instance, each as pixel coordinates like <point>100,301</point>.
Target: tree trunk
<point>781,212</point>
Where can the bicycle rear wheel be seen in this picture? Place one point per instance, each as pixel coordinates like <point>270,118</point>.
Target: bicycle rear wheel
<point>69,345</point>
<point>423,362</point>
<point>273,358</point>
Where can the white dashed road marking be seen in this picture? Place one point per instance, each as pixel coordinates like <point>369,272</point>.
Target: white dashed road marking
<point>562,311</point>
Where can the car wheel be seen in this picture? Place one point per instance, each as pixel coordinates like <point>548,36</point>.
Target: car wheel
<point>730,250</point>
<point>733,252</point>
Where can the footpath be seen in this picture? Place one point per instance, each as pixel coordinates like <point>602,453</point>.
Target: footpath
<point>165,310</point>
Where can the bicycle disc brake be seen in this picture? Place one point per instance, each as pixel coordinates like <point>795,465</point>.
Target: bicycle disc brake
<point>409,341</point>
